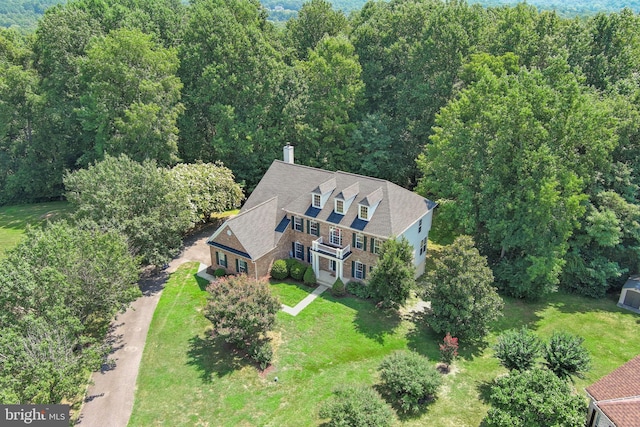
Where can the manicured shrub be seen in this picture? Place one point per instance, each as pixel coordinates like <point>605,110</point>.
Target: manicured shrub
<point>517,349</point>
<point>309,277</point>
<point>297,270</point>
<point>448,349</point>
<point>410,380</point>
<point>356,406</point>
<point>338,288</point>
<point>565,355</point>
<point>261,352</point>
<point>279,269</point>
<point>220,272</point>
<point>290,263</point>
<point>359,289</point>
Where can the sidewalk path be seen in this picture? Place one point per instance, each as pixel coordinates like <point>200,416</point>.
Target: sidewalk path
<point>305,302</point>
<point>109,399</point>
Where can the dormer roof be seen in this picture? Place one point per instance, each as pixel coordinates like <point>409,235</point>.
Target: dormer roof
<point>325,187</point>
<point>349,192</point>
<point>373,198</point>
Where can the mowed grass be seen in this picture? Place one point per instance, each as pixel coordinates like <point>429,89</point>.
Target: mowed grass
<point>189,379</point>
<point>14,220</point>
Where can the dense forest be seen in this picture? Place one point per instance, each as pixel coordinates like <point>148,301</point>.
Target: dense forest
<point>522,124</point>
<point>24,14</point>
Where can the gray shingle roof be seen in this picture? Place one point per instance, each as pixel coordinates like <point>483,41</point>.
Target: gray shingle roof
<point>287,188</point>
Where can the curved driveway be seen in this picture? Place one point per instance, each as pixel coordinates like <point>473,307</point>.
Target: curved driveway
<point>109,399</point>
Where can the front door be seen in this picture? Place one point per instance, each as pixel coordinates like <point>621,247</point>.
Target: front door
<point>332,265</point>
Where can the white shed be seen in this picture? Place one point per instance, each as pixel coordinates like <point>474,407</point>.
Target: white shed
<point>630,295</point>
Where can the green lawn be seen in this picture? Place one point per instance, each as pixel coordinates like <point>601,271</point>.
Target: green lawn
<point>188,379</point>
<point>14,220</point>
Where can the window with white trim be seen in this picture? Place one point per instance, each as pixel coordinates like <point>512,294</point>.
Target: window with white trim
<point>242,266</point>
<point>317,201</point>
<point>420,226</point>
<point>423,246</point>
<point>359,241</point>
<point>363,212</point>
<point>375,245</point>
<point>339,207</point>
<point>297,223</point>
<point>358,270</point>
<point>222,259</point>
<point>332,265</point>
<point>299,253</point>
<point>313,228</point>
<point>335,236</point>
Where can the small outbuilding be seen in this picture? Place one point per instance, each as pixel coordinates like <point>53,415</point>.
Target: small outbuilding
<point>630,295</point>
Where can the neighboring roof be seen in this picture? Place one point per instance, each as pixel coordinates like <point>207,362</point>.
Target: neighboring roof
<point>632,283</point>
<point>618,394</point>
<point>292,184</point>
<point>623,413</point>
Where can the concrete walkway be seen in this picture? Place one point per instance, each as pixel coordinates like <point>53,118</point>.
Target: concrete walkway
<point>305,302</point>
<point>109,399</point>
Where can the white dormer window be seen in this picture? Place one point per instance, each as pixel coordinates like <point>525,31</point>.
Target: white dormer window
<point>363,213</point>
<point>317,201</point>
<point>339,207</point>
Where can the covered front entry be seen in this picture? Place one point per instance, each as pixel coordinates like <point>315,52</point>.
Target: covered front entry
<point>327,261</point>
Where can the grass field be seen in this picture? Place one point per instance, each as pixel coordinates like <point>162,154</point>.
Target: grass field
<point>14,220</point>
<point>189,379</point>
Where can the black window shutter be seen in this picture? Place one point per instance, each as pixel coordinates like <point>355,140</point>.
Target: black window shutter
<point>293,222</point>
<point>364,271</point>
<point>308,228</point>
<point>308,254</point>
<point>353,240</point>
<point>364,239</point>
<point>293,249</point>
<point>318,230</point>
<point>237,266</point>
<point>353,269</point>
<point>373,243</point>
<point>217,258</point>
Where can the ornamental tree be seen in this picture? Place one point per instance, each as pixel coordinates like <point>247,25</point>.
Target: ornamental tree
<point>448,349</point>
<point>460,288</point>
<point>242,311</point>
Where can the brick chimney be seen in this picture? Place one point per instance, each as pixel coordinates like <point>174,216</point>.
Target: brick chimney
<point>287,153</point>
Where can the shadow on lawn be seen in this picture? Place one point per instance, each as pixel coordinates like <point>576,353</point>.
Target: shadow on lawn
<point>371,321</point>
<point>212,356</point>
<point>424,340</point>
<point>393,401</point>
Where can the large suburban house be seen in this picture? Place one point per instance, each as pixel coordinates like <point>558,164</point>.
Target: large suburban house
<point>615,398</point>
<point>334,221</point>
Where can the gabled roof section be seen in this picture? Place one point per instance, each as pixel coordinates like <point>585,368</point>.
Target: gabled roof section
<point>397,208</point>
<point>325,187</point>
<point>257,228</point>
<point>623,383</point>
<point>373,199</point>
<point>349,192</point>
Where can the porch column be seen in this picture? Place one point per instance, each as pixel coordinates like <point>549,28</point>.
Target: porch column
<point>340,269</point>
<point>315,263</point>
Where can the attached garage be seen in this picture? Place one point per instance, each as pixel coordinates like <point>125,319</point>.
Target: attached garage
<point>630,295</point>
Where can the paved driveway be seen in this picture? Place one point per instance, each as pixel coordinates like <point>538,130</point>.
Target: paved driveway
<point>109,399</point>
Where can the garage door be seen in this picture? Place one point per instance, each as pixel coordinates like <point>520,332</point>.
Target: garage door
<point>632,299</point>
